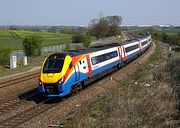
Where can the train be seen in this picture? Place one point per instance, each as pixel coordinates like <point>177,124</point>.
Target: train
<point>67,73</point>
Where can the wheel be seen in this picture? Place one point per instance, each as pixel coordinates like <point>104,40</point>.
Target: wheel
<point>79,87</point>
<point>118,66</point>
<point>123,64</point>
<point>74,90</point>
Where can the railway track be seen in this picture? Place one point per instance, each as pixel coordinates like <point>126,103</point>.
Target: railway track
<point>16,102</point>
<point>27,114</point>
<point>15,105</point>
<point>18,80</point>
<point>19,118</point>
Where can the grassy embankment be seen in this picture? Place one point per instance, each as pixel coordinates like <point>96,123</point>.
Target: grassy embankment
<point>13,38</point>
<point>144,99</point>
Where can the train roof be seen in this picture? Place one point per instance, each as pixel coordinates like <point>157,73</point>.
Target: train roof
<point>129,41</point>
<point>77,52</point>
<point>91,49</point>
<point>142,37</point>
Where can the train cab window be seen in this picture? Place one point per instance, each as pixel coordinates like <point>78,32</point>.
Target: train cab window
<point>70,65</point>
<point>53,65</point>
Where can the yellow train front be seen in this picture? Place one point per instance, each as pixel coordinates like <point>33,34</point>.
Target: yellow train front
<point>54,74</point>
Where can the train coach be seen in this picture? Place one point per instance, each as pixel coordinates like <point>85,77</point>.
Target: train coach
<point>67,72</point>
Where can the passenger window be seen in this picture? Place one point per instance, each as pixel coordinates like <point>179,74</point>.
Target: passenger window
<point>103,57</point>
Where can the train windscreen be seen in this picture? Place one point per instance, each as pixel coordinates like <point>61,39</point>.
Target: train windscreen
<point>53,65</point>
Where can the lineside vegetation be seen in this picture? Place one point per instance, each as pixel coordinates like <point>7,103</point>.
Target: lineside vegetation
<point>164,36</point>
<point>5,56</point>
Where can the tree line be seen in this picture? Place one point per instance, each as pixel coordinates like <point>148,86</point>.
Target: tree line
<point>105,27</point>
<point>99,28</point>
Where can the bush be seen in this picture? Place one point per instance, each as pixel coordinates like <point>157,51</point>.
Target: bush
<point>68,47</point>
<point>82,38</point>
<point>87,41</point>
<point>5,56</point>
<point>78,38</point>
<point>32,45</point>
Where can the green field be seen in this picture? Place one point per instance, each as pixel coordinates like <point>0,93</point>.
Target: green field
<point>13,38</point>
<point>170,31</point>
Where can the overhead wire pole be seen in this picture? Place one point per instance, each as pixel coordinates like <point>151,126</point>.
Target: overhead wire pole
<point>101,15</point>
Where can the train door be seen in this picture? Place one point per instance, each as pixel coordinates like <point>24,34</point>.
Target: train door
<point>77,73</point>
<point>123,53</point>
<point>89,66</point>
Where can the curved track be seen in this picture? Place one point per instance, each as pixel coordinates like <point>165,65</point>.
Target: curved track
<point>26,115</point>
<point>16,102</point>
<point>18,80</point>
<point>13,107</point>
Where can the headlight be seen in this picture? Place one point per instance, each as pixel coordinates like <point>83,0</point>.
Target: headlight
<point>61,80</point>
<point>39,83</point>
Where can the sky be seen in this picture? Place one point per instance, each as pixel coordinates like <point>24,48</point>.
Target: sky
<point>80,12</point>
